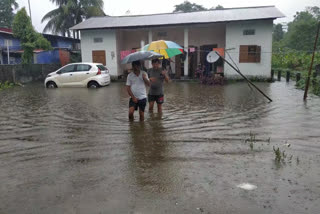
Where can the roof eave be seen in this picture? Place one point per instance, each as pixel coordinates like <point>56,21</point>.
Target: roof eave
<point>178,24</point>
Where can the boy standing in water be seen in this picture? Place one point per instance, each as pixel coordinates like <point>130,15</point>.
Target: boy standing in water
<point>157,76</point>
<point>136,87</point>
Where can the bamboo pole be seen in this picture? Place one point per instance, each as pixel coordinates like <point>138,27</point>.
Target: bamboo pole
<point>310,69</point>
<point>244,77</point>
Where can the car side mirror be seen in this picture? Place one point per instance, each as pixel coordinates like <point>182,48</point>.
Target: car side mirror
<point>59,72</point>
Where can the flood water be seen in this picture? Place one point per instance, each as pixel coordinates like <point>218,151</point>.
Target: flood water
<point>74,151</point>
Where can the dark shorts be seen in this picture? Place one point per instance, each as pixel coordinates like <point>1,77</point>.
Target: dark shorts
<point>141,104</point>
<point>156,98</point>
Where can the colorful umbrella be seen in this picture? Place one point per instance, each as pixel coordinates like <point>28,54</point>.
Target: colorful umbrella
<point>166,48</point>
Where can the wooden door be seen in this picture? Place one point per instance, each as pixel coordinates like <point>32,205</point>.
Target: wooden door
<point>99,57</point>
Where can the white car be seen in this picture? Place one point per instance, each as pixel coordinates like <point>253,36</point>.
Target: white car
<point>91,75</point>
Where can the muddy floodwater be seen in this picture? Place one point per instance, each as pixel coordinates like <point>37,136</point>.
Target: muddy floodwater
<point>74,151</point>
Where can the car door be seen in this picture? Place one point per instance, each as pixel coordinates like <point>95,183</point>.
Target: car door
<point>82,73</point>
<point>65,75</point>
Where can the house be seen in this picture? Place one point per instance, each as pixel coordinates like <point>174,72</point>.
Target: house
<point>8,42</point>
<point>62,47</point>
<point>244,34</point>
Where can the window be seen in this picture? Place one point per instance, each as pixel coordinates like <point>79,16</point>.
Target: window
<point>82,67</point>
<point>97,40</point>
<point>8,42</point>
<point>102,68</point>
<point>250,54</point>
<point>248,32</point>
<point>67,69</point>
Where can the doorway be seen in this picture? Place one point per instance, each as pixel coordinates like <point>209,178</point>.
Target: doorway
<point>99,57</point>
<point>204,51</point>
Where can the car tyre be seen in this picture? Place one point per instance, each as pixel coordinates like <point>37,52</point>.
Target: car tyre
<point>93,85</point>
<point>51,84</point>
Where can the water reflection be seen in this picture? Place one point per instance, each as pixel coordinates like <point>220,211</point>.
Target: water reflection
<point>150,152</point>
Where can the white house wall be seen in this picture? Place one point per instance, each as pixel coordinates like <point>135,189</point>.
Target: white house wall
<point>262,37</point>
<point>109,45</point>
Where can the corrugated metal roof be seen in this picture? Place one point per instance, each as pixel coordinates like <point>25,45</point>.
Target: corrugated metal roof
<point>211,16</point>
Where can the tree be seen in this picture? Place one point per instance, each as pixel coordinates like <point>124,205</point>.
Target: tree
<point>187,6</point>
<point>315,11</point>
<point>219,7</point>
<point>70,13</point>
<point>29,38</point>
<point>302,31</point>
<point>278,32</point>
<point>6,12</point>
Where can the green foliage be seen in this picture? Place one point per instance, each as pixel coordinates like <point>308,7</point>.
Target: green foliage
<point>219,7</point>
<point>187,6</point>
<point>301,31</point>
<point>70,13</point>
<point>278,32</point>
<point>281,157</point>
<point>251,141</point>
<point>315,86</point>
<point>287,58</point>
<point>6,12</point>
<point>301,83</point>
<point>6,85</point>
<point>30,39</point>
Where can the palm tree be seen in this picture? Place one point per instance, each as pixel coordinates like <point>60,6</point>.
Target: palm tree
<point>70,13</point>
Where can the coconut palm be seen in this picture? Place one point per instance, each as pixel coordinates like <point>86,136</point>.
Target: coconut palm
<point>70,13</point>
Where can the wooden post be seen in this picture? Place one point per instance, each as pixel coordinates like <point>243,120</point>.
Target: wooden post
<point>298,77</point>
<point>288,76</point>
<point>272,75</point>
<point>310,69</point>
<point>279,75</point>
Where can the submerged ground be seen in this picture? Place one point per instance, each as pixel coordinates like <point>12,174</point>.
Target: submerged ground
<point>74,151</point>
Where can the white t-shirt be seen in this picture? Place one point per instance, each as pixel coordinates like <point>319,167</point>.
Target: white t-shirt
<point>137,85</point>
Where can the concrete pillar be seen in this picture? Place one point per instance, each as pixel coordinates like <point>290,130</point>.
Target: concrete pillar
<point>186,47</point>
<point>150,36</point>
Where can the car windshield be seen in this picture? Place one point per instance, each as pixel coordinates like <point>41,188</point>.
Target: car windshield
<point>102,68</point>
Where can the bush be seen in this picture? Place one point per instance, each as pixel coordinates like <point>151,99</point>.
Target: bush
<point>6,85</point>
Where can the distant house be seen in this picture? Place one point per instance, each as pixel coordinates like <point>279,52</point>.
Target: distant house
<point>62,46</point>
<point>243,34</point>
<point>14,46</point>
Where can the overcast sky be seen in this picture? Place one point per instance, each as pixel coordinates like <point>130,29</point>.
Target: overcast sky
<point>119,7</point>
